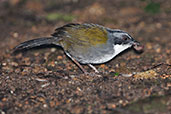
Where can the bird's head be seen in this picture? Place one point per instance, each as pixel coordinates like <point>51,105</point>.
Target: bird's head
<point>122,40</point>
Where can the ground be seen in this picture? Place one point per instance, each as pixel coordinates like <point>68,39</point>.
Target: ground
<point>44,80</point>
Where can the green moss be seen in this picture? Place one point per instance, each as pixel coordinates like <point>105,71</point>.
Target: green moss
<point>152,7</point>
<point>59,16</point>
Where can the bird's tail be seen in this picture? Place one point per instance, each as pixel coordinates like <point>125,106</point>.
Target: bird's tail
<point>36,42</point>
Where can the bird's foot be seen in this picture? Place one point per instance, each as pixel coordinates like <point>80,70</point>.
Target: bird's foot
<point>94,68</point>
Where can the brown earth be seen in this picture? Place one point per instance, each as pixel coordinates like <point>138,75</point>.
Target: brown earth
<point>44,80</point>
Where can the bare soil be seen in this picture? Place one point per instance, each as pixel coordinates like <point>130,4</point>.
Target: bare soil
<point>44,80</point>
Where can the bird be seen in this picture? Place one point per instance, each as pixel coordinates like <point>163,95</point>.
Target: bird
<point>86,43</point>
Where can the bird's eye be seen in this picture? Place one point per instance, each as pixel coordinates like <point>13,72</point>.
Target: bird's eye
<point>125,38</point>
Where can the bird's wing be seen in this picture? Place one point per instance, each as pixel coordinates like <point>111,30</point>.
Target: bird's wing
<point>81,37</point>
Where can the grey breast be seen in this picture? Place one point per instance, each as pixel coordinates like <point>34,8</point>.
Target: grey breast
<point>94,55</point>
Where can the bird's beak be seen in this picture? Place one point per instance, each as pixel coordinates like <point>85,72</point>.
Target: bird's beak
<point>137,46</point>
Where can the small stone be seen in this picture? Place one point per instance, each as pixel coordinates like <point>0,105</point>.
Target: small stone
<point>123,64</point>
<point>79,89</point>
<point>149,46</point>
<point>120,101</point>
<point>69,68</point>
<point>53,50</point>
<point>52,64</point>
<point>117,65</point>
<point>4,64</point>
<point>11,92</point>
<point>158,50</point>
<point>14,64</point>
<point>141,24</point>
<point>33,28</point>
<point>168,84</point>
<point>15,35</point>
<point>168,51</point>
<point>26,102</point>
<point>59,57</point>
<point>45,105</point>
<point>168,61</point>
<point>42,99</point>
<point>36,54</point>
<point>72,76</point>
<point>111,106</point>
<point>102,65</point>
<point>4,99</point>
<point>158,25</point>
<point>19,55</point>
<point>20,105</point>
<point>52,104</point>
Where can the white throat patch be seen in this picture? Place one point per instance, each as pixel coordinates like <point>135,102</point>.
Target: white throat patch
<point>119,48</point>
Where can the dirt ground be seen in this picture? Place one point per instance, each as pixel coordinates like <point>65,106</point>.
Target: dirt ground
<point>43,80</point>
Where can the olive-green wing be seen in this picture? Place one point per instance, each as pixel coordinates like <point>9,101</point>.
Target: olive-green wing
<point>82,36</point>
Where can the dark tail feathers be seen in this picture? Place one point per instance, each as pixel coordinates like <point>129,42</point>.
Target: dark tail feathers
<point>36,42</point>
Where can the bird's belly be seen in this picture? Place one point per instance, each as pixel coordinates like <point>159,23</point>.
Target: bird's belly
<point>96,57</point>
<point>103,59</point>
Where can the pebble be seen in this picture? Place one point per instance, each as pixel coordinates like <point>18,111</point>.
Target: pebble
<point>45,105</point>
<point>158,50</point>
<point>15,35</point>
<point>120,101</point>
<point>53,49</point>
<point>14,64</point>
<point>52,103</point>
<point>59,57</point>
<point>159,25</point>
<point>111,106</point>
<point>4,64</point>
<point>149,46</point>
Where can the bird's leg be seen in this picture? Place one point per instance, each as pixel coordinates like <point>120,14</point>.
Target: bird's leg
<point>78,64</point>
<point>94,68</point>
